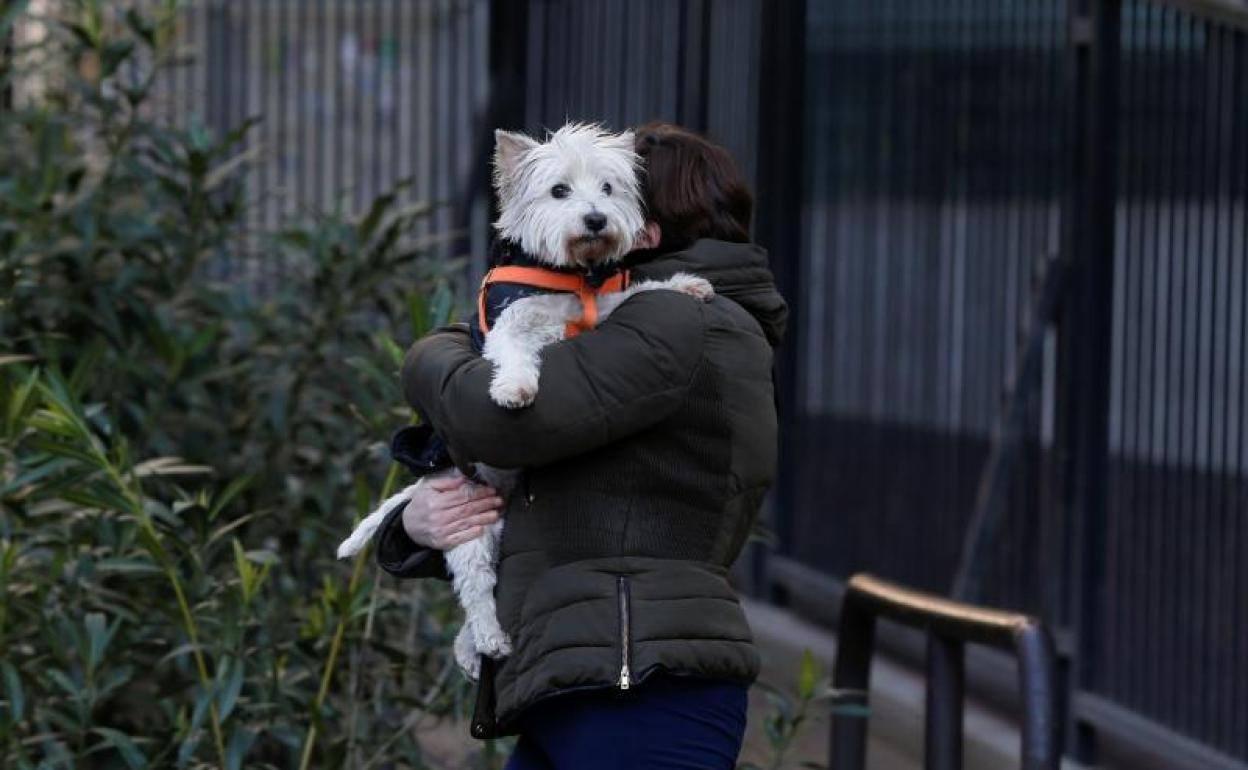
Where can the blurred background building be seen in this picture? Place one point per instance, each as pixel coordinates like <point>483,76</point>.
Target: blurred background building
<point>1015,240</point>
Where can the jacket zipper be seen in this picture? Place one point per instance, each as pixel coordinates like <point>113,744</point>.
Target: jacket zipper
<point>621,585</point>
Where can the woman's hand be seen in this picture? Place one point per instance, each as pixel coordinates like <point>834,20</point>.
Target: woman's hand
<point>448,510</point>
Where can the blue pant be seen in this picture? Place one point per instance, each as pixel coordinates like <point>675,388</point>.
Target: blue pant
<point>665,723</point>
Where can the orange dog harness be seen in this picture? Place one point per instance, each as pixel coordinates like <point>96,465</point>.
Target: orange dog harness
<point>553,280</point>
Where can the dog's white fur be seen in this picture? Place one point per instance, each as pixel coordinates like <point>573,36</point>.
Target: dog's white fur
<point>598,171</point>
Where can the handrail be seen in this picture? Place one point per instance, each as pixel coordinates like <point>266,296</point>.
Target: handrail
<point>949,626</point>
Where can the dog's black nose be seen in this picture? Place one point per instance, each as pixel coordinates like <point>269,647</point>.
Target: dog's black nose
<point>595,222</point>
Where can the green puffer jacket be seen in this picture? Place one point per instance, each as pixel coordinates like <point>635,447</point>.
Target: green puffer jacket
<point>646,456</point>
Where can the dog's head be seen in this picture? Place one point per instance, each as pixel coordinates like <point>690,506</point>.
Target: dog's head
<point>571,201</point>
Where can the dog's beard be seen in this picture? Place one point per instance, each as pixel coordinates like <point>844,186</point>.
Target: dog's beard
<point>587,250</point>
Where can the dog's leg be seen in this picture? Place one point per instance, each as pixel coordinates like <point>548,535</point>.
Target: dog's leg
<point>475,561</point>
<point>685,283</point>
<point>473,578</point>
<point>466,652</point>
<point>515,342</point>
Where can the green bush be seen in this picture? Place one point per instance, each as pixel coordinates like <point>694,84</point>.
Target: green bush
<point>179,455</point>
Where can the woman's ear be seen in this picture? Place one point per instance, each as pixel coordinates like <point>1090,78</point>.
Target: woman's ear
<point>649,237</point>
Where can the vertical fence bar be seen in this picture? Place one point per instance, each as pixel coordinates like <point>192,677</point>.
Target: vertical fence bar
<point>1038,686</point>
<point>851,678</point>
<point>781,189</point>
<point>1086,329</point>
<point>942,740</point>
<point>1237,585</point>
<point>509,59</point>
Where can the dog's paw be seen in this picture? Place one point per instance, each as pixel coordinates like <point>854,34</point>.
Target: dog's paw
<point>466,656</point>
<point>493,642</point>
<point>698,288</point>
<point>513,392</point>
<point>470,665</point>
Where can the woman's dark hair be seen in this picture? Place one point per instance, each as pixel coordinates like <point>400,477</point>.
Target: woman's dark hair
<point>691,187</point>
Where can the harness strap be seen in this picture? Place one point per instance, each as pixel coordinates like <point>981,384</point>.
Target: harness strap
<point>553,280</point>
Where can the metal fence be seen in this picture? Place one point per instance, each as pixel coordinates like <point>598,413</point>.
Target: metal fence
<point>916,163</point>
<point>951,148</point>
<point>352,97</point>
<point>693,63</point>
<point>935,176</point>
<point>1176,525</point>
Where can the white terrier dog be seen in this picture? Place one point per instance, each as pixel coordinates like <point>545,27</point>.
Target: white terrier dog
<point>572,206</point>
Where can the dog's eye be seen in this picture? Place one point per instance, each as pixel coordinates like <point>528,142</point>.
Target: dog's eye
<point>560,191</point>
<point>606,188</point>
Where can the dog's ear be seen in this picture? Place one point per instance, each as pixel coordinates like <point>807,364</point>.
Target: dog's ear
<point>625,142</point>
<point>509,148</point>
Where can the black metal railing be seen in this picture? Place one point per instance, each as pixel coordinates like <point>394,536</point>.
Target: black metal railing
<point>949,626</point>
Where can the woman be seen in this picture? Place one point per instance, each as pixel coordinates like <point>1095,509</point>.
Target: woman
<point>646,456</point>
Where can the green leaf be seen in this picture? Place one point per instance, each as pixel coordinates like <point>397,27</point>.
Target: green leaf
<point>63,681</point>
<point>223,498</point>
<point>229,170</point>
<point>98,637</point>
<point>300,239</point>
<point>126,566</point>
<point>114,54</point>
<point>13,691</point>
<point>238,134</point>
<point>418,314</point>
<point>63,449</point>
<point>187,749</point>
<point>232,685</point>
<point>170,466</point>
<point>202,703</point>
<point>19,399</point>
<point>240,743</point>
<point>124,745</point>
<point>226,529</point>
<point>99,497</point>
<point>376,211</point>
<point>179,651</point>
<point>391,348</point>
<point>200,140</point>
<point>141,26</point>
<point>808,677</point>
<point>774,728</point>
<point>267,558</point>
<point>38,472</point>
<point>84,35</point>
<point>440,307</point>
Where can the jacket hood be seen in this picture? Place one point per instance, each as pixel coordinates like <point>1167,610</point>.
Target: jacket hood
<point>738,271</point>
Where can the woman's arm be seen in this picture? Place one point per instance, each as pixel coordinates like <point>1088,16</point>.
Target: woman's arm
<point>626,375</point>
